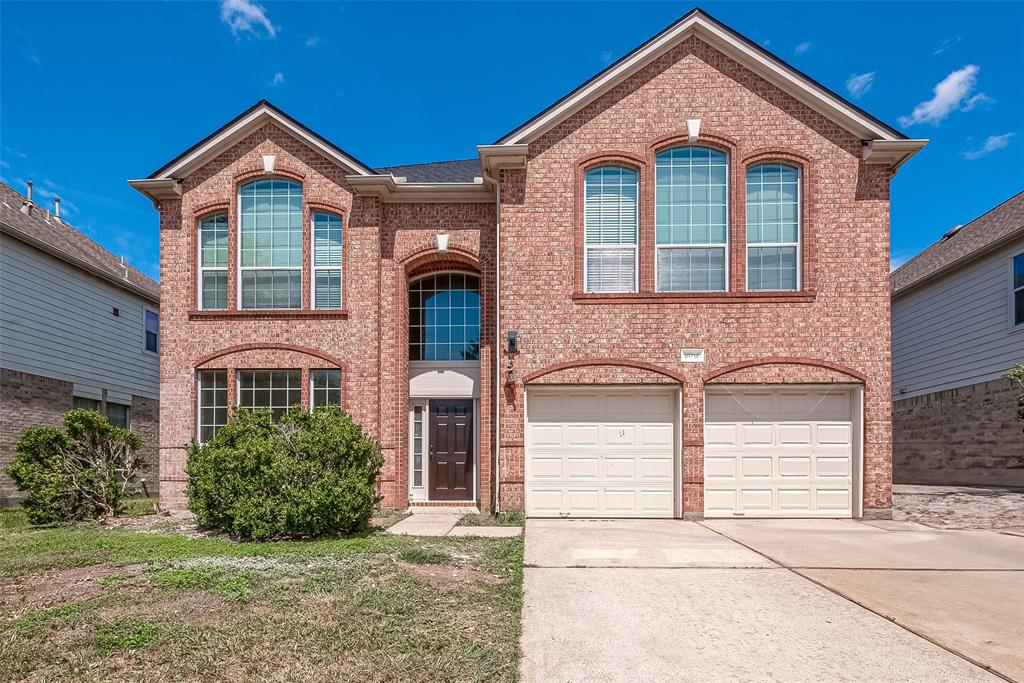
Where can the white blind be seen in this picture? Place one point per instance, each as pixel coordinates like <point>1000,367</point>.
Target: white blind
<point>610,210</point>
<point>611,270</point>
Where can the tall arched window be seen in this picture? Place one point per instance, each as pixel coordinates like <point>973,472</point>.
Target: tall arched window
<point>773,227</point>
<point>691,225</point>
<point>213,262</point>
<point>270,245</point>
<point>610,229</point>
<point>444,318</point>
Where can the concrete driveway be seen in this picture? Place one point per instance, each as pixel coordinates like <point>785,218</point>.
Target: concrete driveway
<point>629,600</point>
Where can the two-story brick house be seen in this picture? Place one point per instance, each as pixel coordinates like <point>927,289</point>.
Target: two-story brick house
<point>665,295</point>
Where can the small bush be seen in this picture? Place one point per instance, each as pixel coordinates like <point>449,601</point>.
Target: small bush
<point>307,474</point>
<point>80,472</point>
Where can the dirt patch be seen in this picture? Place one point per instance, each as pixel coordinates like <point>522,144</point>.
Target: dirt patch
<point>58,587</point>
<point>179,523</point>
<point>960,508</point>
<point>448,574</point>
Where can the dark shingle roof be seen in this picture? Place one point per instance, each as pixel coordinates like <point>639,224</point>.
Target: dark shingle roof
<point>459,171</point>
<point>983,233</point>
<point>64,242</point>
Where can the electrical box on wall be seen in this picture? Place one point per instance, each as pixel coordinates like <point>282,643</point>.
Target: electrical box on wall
<point>692,356</point>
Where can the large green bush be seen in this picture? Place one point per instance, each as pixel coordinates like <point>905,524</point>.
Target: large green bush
<point>80,472</point>
<point>306,474</point>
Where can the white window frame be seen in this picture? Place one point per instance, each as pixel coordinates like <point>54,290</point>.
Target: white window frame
<point>238,387</point>
<point>156,312</point>
<point>313,268</point>
<point>636,243</point>
<point>199,400</point>
<point>1011,318</point>
<point>199,259</point>
<point>419,493</point>
<point>727,245</point>
<point>799,231</point>
<point>238,248</point>
<point>313,388</point>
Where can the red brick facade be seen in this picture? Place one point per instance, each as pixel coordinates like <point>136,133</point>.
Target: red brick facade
<point>836,329</point>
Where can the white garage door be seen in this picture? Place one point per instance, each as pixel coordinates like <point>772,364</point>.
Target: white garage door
<point>600,452</point>
<point>774,452</point>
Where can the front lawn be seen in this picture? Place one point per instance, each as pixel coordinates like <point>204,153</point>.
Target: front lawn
<point>99,604</point>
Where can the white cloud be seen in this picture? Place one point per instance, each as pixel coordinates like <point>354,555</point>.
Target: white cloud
<point>858,84</point>
<point>945,44</point>
<point>991,144</point>
<point>278,79</point>
<point>952,92</point>
<point>802,48</point>
<point>313,41</point>
<point>245,16</point>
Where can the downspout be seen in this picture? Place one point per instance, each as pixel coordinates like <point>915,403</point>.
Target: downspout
<point>497,339</point>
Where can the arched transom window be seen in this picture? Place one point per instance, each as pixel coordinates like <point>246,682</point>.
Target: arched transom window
<point>690,217</point>
<point>773,227</point>
<point>270,245</point>
<point>444,318</point>
<point>610,229</point>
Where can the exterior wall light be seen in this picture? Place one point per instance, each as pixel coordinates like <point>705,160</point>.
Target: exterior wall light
<point>513,341</point>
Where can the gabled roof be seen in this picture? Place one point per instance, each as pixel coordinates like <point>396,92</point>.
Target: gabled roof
<point>984,234</point>
<point>43,231</point>
<point>251,119</point>
<point>458,171</point>
<point>700,24</point>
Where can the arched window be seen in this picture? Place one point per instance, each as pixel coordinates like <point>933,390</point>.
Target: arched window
<point>773,227</point>
<point>444,318</point>
<point>270,249</point>
<point>691,225</point>
<point>327,256</point>
<point>213,262</point>
<point>610,229</point>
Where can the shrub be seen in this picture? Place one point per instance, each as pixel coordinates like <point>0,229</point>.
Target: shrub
<point>80,472</point>
<point>307,474</point>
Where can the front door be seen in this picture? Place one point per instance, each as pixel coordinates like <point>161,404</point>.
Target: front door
<point>451,449</point>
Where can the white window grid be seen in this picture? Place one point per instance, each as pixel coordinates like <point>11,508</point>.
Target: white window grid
<point>328,256</point>
<point>798,244</point>
<point>213,260</point>
<point>270,208</point>
<point>666,159</point>
<point>622,183</point>
<point>212,399</point>
<point>419,435</point>
<point>325,388</point>
<point>278,390</point>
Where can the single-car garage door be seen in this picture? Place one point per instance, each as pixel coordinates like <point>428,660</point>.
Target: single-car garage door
<point>778,452</point>
<point>600,452</point>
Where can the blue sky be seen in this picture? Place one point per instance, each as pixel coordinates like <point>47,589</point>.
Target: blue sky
<point>96,93</point>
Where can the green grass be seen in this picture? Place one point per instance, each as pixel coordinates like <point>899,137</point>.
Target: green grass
<point>367,608</point>
<point>505,518</point>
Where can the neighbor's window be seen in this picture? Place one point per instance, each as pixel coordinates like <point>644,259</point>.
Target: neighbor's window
<point>270,268</point>
<point>278,390</point>
<point>213,402</point>
<point>444,318</point>
<point>325,387</point>
<point>1018,289</point>
<point>691,209</point>
<point>213,262</point>
<point>118,415</point>
<point>152,331</point>
<point>79,403</point>
<point>773,227</point>
<point>610,229</point>
<point>327,257</point>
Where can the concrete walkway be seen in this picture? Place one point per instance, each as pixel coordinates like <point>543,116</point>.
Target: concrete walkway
<point>681,601</point>
<point>442,521</point>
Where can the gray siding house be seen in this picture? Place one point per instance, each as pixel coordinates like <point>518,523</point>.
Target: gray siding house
<point>957,327</point>
<point>78,328</point>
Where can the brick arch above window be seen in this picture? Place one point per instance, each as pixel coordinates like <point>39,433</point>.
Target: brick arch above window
<point>681,139</point>
<point>671,375</point>
<point>428,254</point>
<point>292,351</point>
<point>255,172</point>
<point>762,365</point>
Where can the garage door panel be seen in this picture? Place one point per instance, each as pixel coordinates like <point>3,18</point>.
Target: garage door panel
<point>756,499</point>
<point>756,434</point>
<point>832,499</point>
<point>619,435</point>
<point>584,500</point>
<point>546,467</point>
<point>655,468</point>
<point>794,499</point>
<point>753,467</point>
<point>659,436</point>
<point>720,467</point>
<point>833,466</point>
<point>835,434</point>
<point>620,468</point>
<point>577,436</point>
<point>795,466</point>
<point>545,501</point>
<point>542,436</point>
<point>583,467</point>
<point>720,500</point>
<point>721,435</point>
<point>795,434</point>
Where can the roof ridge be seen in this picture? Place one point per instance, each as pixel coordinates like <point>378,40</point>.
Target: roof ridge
<point>425,163</point>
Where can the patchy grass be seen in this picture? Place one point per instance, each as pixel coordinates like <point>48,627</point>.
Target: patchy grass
<point>504,518</point>
<point>90,603</point>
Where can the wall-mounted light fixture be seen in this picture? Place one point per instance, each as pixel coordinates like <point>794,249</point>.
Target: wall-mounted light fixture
<point>513,341</point>
<point>692,129</point>
<point>268,163</point>
<point>442,242</point>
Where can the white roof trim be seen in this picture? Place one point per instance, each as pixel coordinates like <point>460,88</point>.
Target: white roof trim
<point>394,189</point>
<point>252,121</point>
<point>718,37</point>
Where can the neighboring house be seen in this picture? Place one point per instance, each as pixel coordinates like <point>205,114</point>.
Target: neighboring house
<point>666,294</point>
<point>79,328</point>
<point>957,327</point>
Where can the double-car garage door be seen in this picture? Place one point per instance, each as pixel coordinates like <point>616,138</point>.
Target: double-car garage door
<point>613,452</point>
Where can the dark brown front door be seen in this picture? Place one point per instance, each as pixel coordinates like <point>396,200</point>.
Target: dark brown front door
<point>451,450</point>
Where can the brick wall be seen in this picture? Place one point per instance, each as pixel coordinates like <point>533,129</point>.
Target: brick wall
<point>964,436</point>
<point>145,421</point>
<point>26,400</point>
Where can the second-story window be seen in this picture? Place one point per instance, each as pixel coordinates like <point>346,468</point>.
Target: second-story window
<point>213,262</point>
<point>327,255</point>
<point>610,229</point>
<point>690,218</point>
<point>152,331</point>
<point>773,227</point>
<point>270,249</point>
